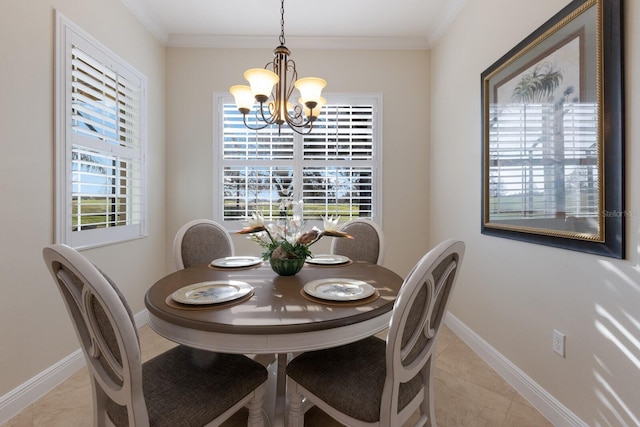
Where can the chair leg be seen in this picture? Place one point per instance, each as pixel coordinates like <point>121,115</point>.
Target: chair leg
<point>99,404</point>
<point>427,408</point>
<point>256,413</point>
<point>296,407</point>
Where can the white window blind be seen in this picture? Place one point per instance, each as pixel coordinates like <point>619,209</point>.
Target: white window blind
<point>101,157</point>
<point>333,169</point>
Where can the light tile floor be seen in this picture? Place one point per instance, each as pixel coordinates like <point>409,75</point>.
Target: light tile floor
<point>467,393</point>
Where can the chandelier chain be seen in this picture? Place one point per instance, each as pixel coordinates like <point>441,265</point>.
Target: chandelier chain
<point>282,41</point>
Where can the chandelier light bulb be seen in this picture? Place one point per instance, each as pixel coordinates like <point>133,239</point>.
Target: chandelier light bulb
<point>310,90</point>
<point>262,82</point>
<point>243,97</point>
<point>315,112</point>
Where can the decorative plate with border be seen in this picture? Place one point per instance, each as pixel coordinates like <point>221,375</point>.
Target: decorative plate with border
<point>212,292</point>
<point>337,289</point>
<point>328,259</point>
<point>236,261</point>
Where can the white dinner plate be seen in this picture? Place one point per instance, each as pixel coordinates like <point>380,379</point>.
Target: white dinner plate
<point>212,292</point>
<point>236,261</point>
<point>327,259</point>
<point>337,289</point>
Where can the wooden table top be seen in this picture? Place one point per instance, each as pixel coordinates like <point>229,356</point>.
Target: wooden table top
<point>277,305</point>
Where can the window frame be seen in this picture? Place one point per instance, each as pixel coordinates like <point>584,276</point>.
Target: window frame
<point>69,35</point>
<point>373,99</point>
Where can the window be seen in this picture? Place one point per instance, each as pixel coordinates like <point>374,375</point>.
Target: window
<point>100,174</point>
<point>335,170</point>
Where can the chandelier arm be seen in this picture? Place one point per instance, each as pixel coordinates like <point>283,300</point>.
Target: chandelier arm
<point>297,126</point>
<point>244,119</point>
<point>301,132</point>
<point>261,116</point>
<point>297,113</point>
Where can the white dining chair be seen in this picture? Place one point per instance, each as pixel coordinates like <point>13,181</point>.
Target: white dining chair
<point>201,241</point>
<point>367,243</point>
<point>179,387</point>
<point>381,383</point>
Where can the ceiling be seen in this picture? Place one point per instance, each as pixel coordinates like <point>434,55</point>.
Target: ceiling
<point>320,24</point>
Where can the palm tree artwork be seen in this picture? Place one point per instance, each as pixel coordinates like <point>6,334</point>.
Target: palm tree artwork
<point>538,85</point>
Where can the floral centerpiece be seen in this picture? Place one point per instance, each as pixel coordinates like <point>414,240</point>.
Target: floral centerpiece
<point>284,241</point>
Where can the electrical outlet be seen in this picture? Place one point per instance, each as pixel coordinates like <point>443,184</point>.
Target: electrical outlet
<point>558,342</point>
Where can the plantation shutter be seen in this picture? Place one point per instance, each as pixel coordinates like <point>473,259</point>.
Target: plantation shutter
<point>258,166</point>
<point>104,192</point>
<point>332,169</point>
<point>338,162</point>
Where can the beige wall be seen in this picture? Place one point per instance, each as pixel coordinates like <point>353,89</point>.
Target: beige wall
<point>35,331</point>
<point>193,75</point>
<point>514,294</point>
<point>510,293</point>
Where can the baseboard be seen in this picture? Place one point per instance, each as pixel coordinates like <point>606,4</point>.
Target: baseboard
<point>538,397</point>
<point>29,392</point>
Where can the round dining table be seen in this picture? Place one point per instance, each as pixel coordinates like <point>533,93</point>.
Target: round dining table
<point>277,316</point>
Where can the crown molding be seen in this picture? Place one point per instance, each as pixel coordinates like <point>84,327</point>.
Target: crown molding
<point>154,25</point>
<point>259,42</point>
<point>443,21</point>
<point>148,19</point>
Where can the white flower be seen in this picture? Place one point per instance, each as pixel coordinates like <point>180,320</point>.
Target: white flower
<point>298,209</point>
<point>330,223</point>
<point>256,220</point>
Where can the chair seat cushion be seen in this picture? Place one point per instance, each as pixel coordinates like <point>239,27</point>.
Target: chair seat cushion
<point>189,387</point>
<point>350,378</point>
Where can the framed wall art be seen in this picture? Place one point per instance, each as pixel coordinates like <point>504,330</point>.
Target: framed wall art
<point>553,134</point>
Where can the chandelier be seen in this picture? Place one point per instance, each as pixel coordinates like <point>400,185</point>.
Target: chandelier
<point>272,87</point>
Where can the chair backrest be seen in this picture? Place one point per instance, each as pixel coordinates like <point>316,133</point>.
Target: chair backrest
<point>367,243</point>
<point>201,241</point>
<point>415,322</point>
<point>105,328</point>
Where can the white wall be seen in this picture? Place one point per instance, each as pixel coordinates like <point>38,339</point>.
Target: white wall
<point>35,331</point>
<point>193,75</point>
<point>513,294</point>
